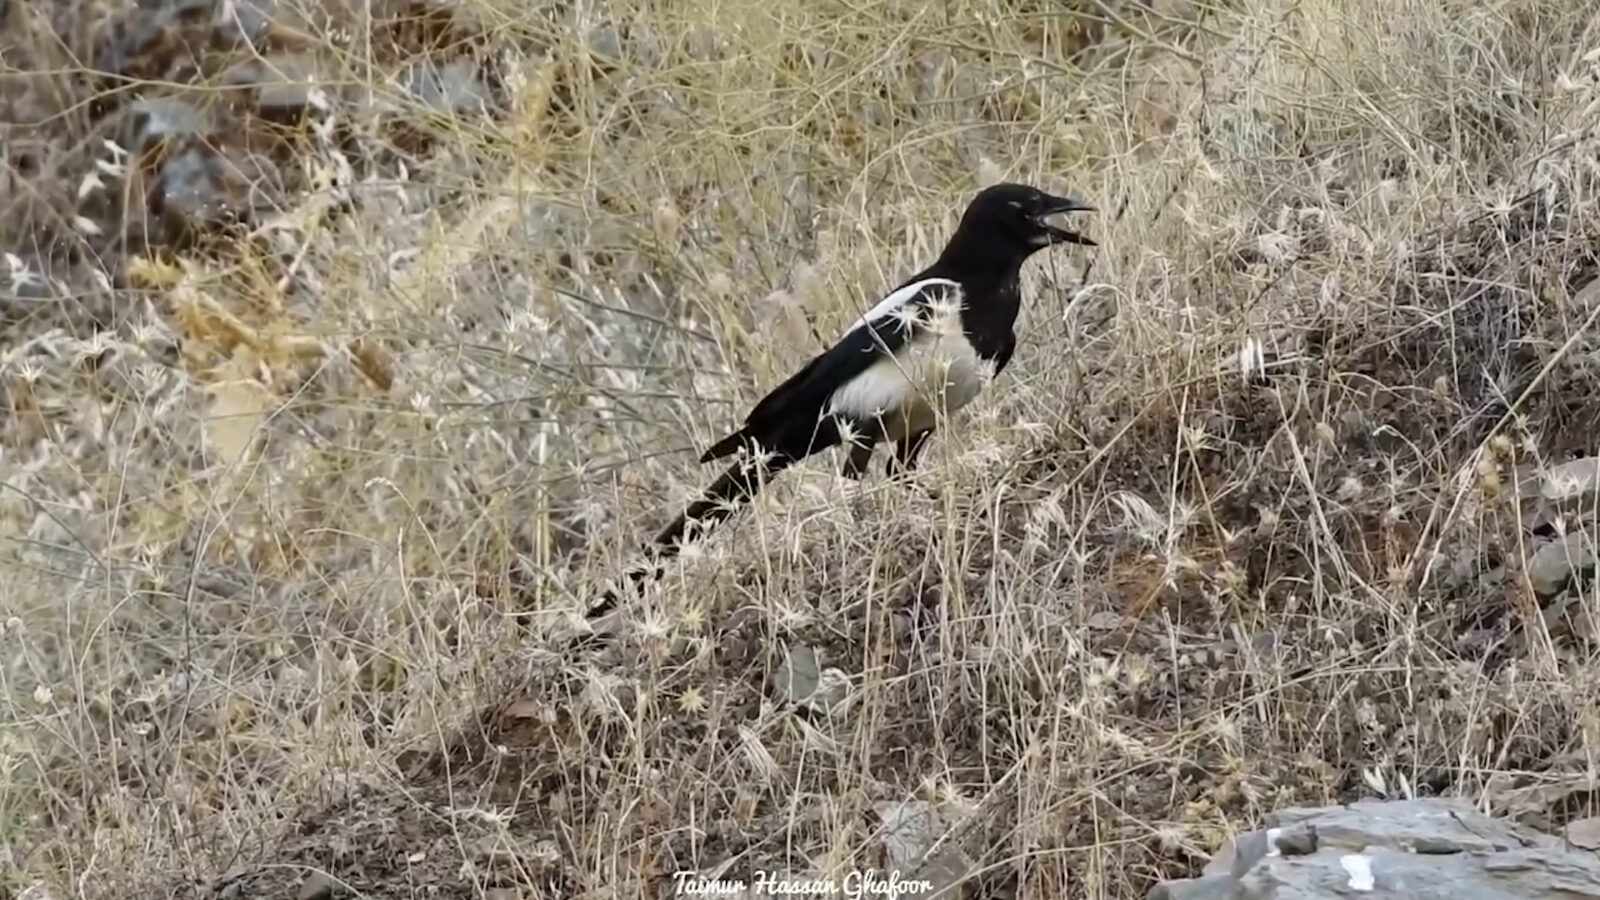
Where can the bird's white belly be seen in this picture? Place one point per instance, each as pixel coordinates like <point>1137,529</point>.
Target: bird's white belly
<point>930,377</point>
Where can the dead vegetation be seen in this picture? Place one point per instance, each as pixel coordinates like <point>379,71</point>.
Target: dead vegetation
<point>347,347</point>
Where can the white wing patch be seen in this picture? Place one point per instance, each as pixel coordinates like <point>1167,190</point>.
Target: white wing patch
<point>937,371</point>
<point>897,299</point>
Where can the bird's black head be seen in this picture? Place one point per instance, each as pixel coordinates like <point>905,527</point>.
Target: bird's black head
<point>1021,215</point>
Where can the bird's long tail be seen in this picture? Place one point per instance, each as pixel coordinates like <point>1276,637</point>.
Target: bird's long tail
<point>735,487</point>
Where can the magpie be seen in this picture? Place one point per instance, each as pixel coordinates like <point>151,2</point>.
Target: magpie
<point>924,351</point>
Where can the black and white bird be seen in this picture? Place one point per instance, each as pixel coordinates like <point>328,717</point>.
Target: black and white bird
<point>924,351</point>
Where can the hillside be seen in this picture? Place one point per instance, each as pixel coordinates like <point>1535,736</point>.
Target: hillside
<point>347,348</point>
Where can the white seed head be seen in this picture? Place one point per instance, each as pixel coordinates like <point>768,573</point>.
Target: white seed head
<point>665,220</point>
<point>989,172</point>
<point>91,182</point>
<point>1252,359</point>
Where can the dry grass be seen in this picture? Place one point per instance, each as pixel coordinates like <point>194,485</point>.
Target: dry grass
<point>290,520</point>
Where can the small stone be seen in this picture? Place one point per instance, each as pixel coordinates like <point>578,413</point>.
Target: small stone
<point>910,831</point>
<point>1577,478</point>
<point>1104,620</point>
<point>318,886</point>
<point>202,189</point>
<point>1587,296</point>
<point>160,118</point>
<point>455,87</point>
<point>283,83</point>
<point>605,43</point>
<point>1555,562</point>
<point>701,44</point>
<point>798,675</point>
<point>1584,833</point>
<point>243,22</point>
<point>492,850</point>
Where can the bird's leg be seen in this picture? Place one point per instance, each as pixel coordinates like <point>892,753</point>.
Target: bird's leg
<point>860,437</point>
<point>903,462</point>
<point>855,465</point>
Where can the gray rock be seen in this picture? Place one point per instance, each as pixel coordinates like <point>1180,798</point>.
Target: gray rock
<point>1209,887</point>
<point>1239,853</point>
<point>243,22</point>
<point>1417,849</point>
<point>317,886</point>
<point>456,87</point>
<point>1587,296</point>
<point>156,119</point>
<point>1554,563</point>
<point>799,674</point>
<point>1523,874</point>
<point>702,44</point>
<point>1104,620</point>
<point>1558,493</point>
<point>1574,479</point>
<point>283,82</point>
<point>1426,826</point>
<point>201,189</point>
<point>605,43</point>
<point>1583,833</point>
<point>915,845</point>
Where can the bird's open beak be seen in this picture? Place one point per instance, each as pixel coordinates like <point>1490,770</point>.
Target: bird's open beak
<point>1059,206</point>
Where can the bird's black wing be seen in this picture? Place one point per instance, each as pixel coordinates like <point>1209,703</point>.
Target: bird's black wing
<point>800,400</point>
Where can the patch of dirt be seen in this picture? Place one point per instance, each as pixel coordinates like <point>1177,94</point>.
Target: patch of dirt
<point>384,844</point>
